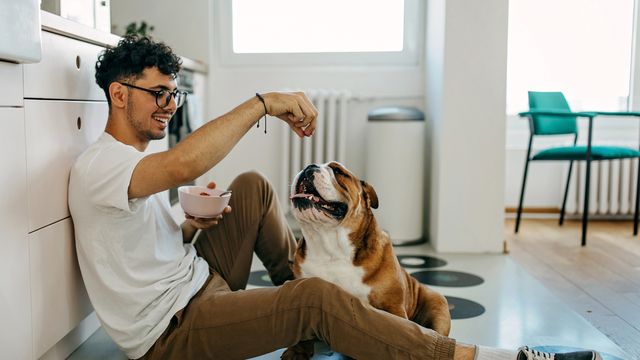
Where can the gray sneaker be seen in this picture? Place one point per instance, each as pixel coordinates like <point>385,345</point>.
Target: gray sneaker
<point>525,353</point>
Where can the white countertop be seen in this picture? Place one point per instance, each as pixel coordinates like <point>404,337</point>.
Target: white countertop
<point>59,25</point>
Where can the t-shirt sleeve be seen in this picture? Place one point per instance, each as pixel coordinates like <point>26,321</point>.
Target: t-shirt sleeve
<point>108,177</point>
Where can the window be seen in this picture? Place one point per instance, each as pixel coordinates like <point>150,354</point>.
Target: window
<point>580,47</point>
<point>312,26</point>
<point>286,32</point>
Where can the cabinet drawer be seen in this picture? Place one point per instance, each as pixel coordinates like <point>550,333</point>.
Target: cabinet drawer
<point>11,89</point>
<point>59,300</point>
<point>66,71</point>
<point>56,133</point>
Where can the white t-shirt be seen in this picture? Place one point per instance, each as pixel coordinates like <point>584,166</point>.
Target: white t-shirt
<point>136,269</point>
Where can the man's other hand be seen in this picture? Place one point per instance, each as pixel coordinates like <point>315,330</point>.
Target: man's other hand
<point>205,223</point>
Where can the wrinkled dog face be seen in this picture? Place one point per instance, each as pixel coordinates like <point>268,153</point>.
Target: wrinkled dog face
<point>330,194</point>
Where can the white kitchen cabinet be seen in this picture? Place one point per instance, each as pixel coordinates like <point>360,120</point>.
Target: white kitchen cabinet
<point>59,300</point>
<point>67,70</point>
<point>15,302</point>
<point>56,133</point>
<point>64,111</point>
<point>11,89</point>
<point>49,112</point>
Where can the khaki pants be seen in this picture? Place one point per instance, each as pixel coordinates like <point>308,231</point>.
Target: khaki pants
<point>223,321</point>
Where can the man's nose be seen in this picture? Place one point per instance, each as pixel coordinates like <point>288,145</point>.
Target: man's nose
<point>172,106</point>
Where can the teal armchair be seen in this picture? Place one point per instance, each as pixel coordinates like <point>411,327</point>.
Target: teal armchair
<point>549,114</point>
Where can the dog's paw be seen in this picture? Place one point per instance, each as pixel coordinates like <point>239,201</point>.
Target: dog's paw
<point>292,354</point>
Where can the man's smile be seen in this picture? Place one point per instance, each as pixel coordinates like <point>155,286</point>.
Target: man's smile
<point>163,119</point>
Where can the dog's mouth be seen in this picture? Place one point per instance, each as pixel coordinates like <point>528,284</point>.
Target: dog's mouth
<point>307,196</point>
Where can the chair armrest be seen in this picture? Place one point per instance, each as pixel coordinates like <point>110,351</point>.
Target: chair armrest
<point>558,113</point>
<point>616,113</point>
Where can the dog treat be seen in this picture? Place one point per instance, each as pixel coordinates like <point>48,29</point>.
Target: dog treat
<point>205,194</point>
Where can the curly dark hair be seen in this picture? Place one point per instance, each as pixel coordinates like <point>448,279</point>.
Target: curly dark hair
<point>130,57</point>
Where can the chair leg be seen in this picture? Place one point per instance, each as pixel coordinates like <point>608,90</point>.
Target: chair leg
<point>585,212</point>
<point>635,215</point>
<point>524,183</point>
<point>566,192</point>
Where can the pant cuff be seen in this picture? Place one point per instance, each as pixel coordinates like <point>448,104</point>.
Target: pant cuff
<point>445,348</point>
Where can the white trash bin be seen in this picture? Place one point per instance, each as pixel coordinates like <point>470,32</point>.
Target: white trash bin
<point>395,169</point>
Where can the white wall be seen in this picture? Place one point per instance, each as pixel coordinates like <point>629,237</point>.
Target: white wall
<point>182,26</point>
<point>464,105</point>
<point>372,86</point>
<point>193,32</point>
<point>466,88</point>
<point>375,87</point>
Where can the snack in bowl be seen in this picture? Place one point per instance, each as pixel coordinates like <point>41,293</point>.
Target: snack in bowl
<point>202,202</point>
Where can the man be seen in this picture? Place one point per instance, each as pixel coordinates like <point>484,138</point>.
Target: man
<point>160,297</point>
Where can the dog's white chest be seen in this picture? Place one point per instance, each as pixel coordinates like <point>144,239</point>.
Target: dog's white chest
<point>331,260</point>
<point>339,272</point>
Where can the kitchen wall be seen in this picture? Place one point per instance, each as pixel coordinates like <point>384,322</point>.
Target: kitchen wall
<point>184,26</point>
<point>229,85</point>
<point>466,92</point>
<point>464,203</point>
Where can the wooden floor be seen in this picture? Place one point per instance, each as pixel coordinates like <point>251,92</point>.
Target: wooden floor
<point>601,281</point>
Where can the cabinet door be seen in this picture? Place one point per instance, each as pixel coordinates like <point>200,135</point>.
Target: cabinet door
<point>11,89</point>
<point>67,70</point>
<point>59,298</point>
<point>15,300</point>
<point>56,132</point>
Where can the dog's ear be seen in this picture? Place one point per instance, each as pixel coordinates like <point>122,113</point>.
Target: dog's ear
<point>369,194</point>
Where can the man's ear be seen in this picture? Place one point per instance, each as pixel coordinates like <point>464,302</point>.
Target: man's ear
<point>119,94</point>
<point>370,195</point>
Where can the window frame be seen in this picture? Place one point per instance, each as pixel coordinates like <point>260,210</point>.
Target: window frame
<point>411,55</point>
<point>633,104</point>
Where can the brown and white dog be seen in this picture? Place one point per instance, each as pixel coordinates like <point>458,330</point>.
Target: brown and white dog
<point>343,244</point>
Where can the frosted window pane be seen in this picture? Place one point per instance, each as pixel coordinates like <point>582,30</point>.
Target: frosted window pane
<point>306,26</point>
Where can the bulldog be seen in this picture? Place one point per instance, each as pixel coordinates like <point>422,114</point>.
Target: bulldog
<point>343,244</point>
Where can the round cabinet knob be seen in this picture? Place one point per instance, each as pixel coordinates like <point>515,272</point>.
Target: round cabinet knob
<point>79,123</point>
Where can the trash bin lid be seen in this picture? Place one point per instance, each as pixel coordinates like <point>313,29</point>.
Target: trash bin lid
<point>396,113</point>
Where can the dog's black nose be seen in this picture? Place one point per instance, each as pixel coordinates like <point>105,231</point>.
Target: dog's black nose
<point>310,170</point>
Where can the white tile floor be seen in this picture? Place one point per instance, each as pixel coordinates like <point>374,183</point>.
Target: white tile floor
<point>519,311</point>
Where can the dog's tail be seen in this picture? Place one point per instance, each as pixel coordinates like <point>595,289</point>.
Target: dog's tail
<point>432,311</point>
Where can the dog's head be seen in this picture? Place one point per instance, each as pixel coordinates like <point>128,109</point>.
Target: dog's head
<point>329,194</point>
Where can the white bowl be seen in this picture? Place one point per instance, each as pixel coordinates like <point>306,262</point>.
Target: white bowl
<point>196,204</point>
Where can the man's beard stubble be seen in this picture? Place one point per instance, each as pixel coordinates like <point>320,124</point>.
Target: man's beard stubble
<point>138,125</point>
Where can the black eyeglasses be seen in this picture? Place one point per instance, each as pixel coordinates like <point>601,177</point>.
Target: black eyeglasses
<point>163,97</point>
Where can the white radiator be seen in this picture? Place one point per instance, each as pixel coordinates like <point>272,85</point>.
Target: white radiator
<point>612,188</point>
<point>327,144</point>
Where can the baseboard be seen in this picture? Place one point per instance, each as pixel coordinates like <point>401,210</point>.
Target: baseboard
<point>554,213</point>
<point>533,210</point>
<point>63,348</point>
